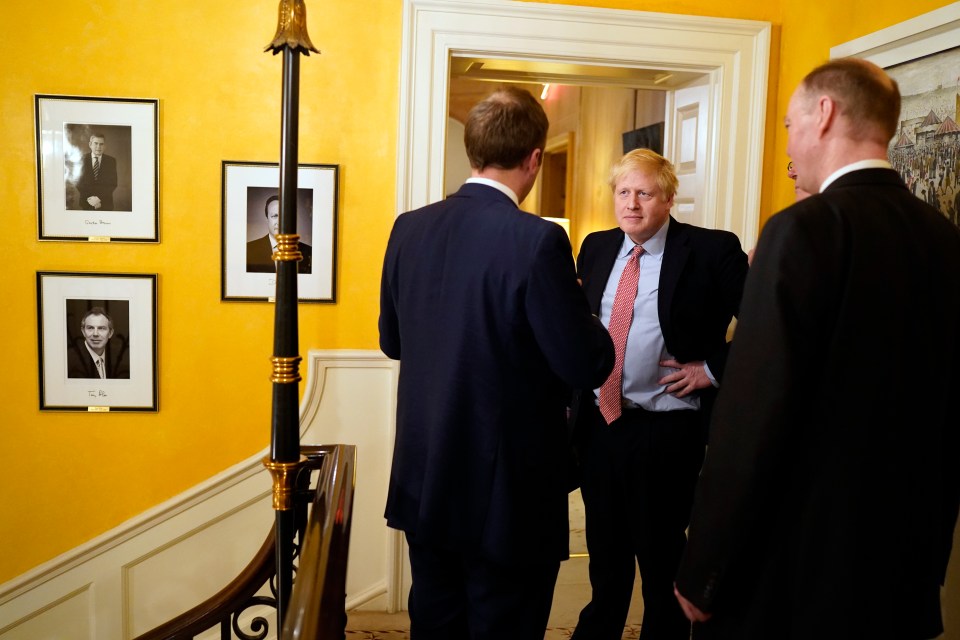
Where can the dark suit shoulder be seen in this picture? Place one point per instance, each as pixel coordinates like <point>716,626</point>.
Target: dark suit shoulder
<point>602,237</point>
<point>79,363</point>
<point>695,234</point>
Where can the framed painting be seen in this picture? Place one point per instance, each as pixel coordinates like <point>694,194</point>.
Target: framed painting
<point>251,218</point>
<point>97,341</point>
<point>97,169</point>
<point>923,55</point>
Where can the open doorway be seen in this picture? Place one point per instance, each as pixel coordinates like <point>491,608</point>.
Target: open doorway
<point>732,54</point>
<point>556,177</point>
<point>596,114</point>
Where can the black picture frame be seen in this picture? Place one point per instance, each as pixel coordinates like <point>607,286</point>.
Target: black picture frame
<point>247,271</point>
<point>119,202</point>
<point>80,314</point>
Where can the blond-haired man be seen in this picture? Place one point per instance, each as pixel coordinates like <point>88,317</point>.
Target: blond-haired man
<point>667,291</point>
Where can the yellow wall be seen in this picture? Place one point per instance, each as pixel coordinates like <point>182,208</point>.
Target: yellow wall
<point>68,477</point>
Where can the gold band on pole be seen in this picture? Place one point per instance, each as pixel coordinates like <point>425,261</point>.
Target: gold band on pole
<point>288,248</point>
<point>284,479</point>
<point>286,370</point>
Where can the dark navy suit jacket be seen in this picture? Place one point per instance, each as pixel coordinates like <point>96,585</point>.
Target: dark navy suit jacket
<point>830,490</point>
<point>701,283</point>
<point>103,187</point>
<point>116,357</point>
<point>480,303</point>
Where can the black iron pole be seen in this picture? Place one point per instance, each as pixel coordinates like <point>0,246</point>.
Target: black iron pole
<point>285,446</point>
<point>285,460</point>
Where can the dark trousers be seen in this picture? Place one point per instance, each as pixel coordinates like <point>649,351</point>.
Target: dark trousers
<point>639,475</point>
<point>461,596</point>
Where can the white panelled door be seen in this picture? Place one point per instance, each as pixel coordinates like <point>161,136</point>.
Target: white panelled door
<point>688,128</point>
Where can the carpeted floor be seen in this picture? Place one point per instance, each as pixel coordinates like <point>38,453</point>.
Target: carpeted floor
<point>553,633</point>
<point>571,594</point>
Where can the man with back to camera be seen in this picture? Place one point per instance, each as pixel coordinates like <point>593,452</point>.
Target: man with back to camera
<point>97,357</point>
<point>260,251</point>
<point>480,303</point>
<point>98,176</point>
<point>668,291</point>
<point>830,490</point>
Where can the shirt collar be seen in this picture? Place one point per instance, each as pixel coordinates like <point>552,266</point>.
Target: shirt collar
<point>499,186</point>
<point>652,246</point>
<point>93,354</point>
<point>872,163</point>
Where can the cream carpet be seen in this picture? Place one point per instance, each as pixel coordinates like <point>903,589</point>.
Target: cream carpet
<point>571,595</point>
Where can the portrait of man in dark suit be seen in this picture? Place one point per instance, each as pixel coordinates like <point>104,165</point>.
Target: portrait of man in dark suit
<point>98,176</point>
<point>829,493</point>
<point>667,291</point>
<point>96,353</point>
<point>260,251</point>
<point>97,167</point>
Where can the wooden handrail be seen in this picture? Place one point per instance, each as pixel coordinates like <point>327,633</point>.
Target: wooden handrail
<point>316,608</point>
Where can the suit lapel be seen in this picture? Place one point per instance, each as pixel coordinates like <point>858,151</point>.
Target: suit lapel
<point>606,257</point>
<point>92,371</point>
<point>675,253</point>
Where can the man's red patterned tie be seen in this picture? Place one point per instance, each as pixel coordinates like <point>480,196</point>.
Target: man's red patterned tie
<point>620,318</point>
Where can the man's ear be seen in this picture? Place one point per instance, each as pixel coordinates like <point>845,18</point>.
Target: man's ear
<point>826,114</point>
<point>535,158</point>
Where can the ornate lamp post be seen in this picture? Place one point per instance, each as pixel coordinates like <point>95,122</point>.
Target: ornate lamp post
<point>285,460</point>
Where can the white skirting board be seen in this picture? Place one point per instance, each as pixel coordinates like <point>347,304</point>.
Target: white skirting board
<point>173,556</point>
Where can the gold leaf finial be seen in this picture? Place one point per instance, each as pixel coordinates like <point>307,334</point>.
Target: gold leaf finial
<point>292,29</point>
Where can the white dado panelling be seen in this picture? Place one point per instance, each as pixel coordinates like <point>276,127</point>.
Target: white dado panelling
<point>68,617</point>
<point>170,558</point>
<point>153,584</point>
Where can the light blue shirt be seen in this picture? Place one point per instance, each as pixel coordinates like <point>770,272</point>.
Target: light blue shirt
<point>645,344</point>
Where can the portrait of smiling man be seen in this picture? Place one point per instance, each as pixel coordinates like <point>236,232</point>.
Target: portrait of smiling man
<point>98,355</point>
<point>260,251</point>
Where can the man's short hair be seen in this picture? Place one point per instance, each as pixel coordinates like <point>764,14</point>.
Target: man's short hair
<point>266,207</point>
<point>648,161</point>
<point>97,134</point>
<point>504,128</point>
<point>864,94</point>
<point>96,311</point>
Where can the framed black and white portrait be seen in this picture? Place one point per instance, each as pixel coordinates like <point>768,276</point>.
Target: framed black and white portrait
<point>251,218</point>
<point>97,169</point>
<point>97,341</point>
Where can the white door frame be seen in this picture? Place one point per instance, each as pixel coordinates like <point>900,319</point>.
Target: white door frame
<point>735,54</point>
